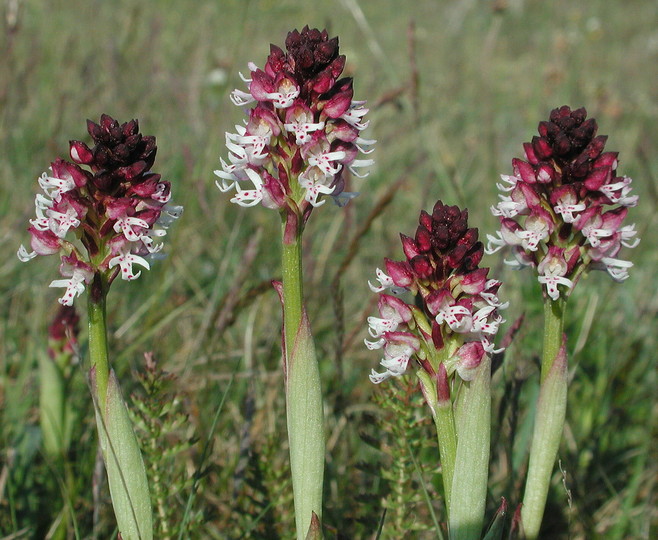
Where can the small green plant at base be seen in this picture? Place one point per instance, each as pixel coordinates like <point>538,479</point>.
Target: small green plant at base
<point>406,442</point>
<point>161,425</point>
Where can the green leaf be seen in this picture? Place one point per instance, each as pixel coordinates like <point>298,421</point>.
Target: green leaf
<point>305,427</point>
<point>469,485</point>
<point>125,468</point>
<point>52,407</point>
<point>497,528</point>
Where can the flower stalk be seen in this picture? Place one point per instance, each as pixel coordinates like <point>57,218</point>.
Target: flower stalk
<point>554,311</point>
<point>98,350</point>
<point>550,416</point>
<point>121,453</point>
<point>304,412</point>
<point>293,287</point>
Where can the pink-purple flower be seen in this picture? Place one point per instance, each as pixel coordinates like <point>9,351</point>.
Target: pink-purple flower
<point>562,210</point>
<point>452,316</point>
<point>301,133</point>
<point>104,211</point>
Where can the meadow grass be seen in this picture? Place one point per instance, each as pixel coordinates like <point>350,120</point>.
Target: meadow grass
<point>454,89</point>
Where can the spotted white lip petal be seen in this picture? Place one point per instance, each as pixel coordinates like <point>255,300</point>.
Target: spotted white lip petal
<point>552,282</point>
<point>75,286</point>
<point>125,260</point>
<point>240,98</point>
<point>126,225</point>
<point>249,197</point>
<point>377,378</point>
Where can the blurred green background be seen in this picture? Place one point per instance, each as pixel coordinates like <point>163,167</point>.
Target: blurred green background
<point>454,89</point>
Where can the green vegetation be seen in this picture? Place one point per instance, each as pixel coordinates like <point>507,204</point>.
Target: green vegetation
<point>454,88</point>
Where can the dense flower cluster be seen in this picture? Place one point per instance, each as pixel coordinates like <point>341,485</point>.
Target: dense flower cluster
<point>458,315</point>
<point>103,212</point>
<point>63,332</point>
<point>564,207</point>
<point>302,133</point>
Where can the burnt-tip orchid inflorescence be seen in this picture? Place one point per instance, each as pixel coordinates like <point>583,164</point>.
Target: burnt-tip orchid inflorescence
<point>105,211</point>
<point>302,132</point>
<point>562,210</point>
<point>455,315</point>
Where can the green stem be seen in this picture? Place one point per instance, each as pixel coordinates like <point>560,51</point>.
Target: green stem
<point>303,395</point>
<point>293,292</point>
<point>553,330</point>
<point>549,421</point>
<point>98,352</point>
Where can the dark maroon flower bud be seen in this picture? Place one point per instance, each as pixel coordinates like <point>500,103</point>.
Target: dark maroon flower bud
<point>339,102</point>
<point>530,153</point>
<point>524,170</point>
<point>326,51</point>
<point>421,267</point>
<point>337,65</point>
<point>561,144</point>
<point>81,153</point>
<point>542,148</point>
<point>595,147</point>
<point>400,272</point>
<point>597,178</point>
<point>585,132</point>
<point>409,247</point>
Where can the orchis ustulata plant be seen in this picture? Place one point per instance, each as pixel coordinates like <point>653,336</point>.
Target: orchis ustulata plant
<point>101,213</point>
<point>563,215</point>
<point>447,333</point>
<point>301,134</point>
<point>56,413</point>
